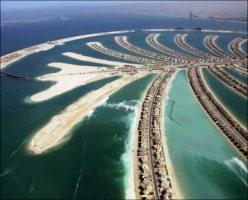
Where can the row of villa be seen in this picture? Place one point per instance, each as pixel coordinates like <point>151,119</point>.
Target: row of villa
<point>153,176</point>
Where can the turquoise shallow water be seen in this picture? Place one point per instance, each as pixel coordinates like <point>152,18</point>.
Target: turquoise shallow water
<point>234,102</point>
<point>206,165</point>
<point>95,161</point>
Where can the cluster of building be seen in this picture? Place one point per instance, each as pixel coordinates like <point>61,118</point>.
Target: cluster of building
<point>122,40</point>
<point>219,115</point>
<point>229,80</point>
<point>153,176</point>
<point>211,45</point>
<point>180,39</point>
<point>239,69</point>
<point>178,57</point>
<point>116,54</point>
<point>235,47</point>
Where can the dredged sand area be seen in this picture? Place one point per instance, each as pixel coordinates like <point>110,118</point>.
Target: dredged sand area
<point>53,133</point>
<point>69,77</point>
<point>97,60</point>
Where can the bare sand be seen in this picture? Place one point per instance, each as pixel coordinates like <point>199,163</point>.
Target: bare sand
<point>69,77</point>
<point>53,133</point>
<point>12,57</point>
<point>97,60</point>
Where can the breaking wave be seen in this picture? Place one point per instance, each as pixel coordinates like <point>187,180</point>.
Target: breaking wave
<point>127,157</point>
<point>90,113</point>
<point>126,105</point>
<point>239,168</point>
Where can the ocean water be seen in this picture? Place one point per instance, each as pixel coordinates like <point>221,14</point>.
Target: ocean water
<point>95,161</point>
<point>234,102</point>
<point>95,157</point>
<point>200,155</point>
<point>14,36</point>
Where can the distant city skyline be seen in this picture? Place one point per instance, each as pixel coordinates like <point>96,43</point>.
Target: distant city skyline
<point>205,9</point>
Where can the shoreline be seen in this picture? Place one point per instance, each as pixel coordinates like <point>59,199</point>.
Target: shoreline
<point>135,141</point>
<point>19,54</point>
<point>79,75</point>
<point>50,135</point>
<point>174,181</point>
<point>217,98</point>
<point>213,123</point>
<point>97,60</point>
<point>175,191</point>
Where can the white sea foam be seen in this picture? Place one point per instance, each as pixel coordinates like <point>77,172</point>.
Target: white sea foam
<point>239,168</point>
<point>126,105</point>
<point>127,157</point>
<point>90,113</point>
<point>78,181</point>
<point>7,171</point>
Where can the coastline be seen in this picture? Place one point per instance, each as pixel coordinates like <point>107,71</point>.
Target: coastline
<point>135,141</point>
<point>174,181</point>
<point>79,75</point>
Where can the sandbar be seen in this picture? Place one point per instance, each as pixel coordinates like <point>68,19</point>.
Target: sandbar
<point>53,133</point>
<point>69,77</point>
<point>97,60</point>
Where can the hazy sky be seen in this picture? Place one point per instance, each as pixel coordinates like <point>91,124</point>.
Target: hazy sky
<point>206,4</point>
<point>180,8</point>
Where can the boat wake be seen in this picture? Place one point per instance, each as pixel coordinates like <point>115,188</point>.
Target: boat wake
<point>239,168</point>
<point>80,174</point>
<point>78,181</point>
<point>126,105</point>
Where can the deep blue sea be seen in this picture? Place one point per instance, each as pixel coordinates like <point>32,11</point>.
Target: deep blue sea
<point>16,36</point>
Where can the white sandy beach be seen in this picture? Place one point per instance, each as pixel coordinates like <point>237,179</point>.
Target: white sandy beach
<point>53,133</point>
<point>69,77</point>
<point>97,60</point>
<point>177,194</point>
